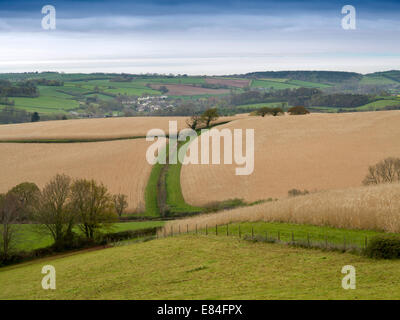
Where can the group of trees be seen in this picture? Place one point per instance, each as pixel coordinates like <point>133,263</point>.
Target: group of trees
<point>312,76</point>
<point>15,206</point>
<point>46,82</point>
<point>276,111</point>
<point>205,119</point>
<point>20,89</point>
<point>298,110</point>
<point>6,101</point>
<point>10,114</point>
<point>385,171</point>
<point>339,100</point>
<point>307,97</point>
<point>58,208</point>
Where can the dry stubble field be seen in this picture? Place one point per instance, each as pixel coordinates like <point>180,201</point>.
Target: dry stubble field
<point>120,165</point>
<point>313,152</point>
<point>364,208</point>
<point>104,128</point>
<point>188,90</point>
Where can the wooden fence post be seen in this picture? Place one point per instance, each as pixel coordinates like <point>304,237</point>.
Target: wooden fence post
<point>216,229</point>
<point>227,230</point>
<point>196,228</point>
<point>206,231</point>
<point>187,228</point>
<point>240,233</point>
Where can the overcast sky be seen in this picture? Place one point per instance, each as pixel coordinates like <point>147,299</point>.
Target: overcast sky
<point>198,37</point>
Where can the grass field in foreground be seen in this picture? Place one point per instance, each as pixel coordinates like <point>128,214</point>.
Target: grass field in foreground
<point>29,237</point>
<point>190,267</point>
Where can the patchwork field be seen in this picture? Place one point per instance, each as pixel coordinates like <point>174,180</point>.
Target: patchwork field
<point>188,90</point>
<point>277,85</point>
<point>313,152</point>
<point>120,165</point>
<point>190,267</point>
<point>241,83</point>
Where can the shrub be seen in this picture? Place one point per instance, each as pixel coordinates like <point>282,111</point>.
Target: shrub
<point>277,111</point>
<point>383,247</point>
<point>271,111</point>
<point>298,110</point>
<point>297,192</point>
<point>130,234</point>
<point>224,205</point>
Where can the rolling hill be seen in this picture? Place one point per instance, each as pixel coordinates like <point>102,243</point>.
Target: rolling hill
<point>200,267</point>
<point>313,152</point>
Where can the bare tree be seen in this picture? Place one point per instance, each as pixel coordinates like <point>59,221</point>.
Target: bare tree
<point>52,209</point>
<point>9,207</point>
<point>193,122</point>
<point>385,171</point>
<point>27,194</point>
<point>93,206</point>
<point>120,203</point>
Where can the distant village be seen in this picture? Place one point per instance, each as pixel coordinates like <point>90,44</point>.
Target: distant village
<point>138,104</point>
<point>152,103</point>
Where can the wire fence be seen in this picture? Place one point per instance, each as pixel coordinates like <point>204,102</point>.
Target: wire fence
<point>335,241</point>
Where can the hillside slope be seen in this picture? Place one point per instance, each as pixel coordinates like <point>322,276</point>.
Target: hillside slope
<point>190,267</point>
<point>363,208</point>
<point>313,152</point>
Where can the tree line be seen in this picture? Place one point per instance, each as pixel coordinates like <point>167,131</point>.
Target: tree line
<point>20,89</point>
<point>61,208</point>
<point>311,76</point>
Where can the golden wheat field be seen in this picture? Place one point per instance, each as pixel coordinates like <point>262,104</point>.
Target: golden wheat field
<point>313,152</point>
<point>120,165</point>
<point>104,128</point>
<point>370,208</point>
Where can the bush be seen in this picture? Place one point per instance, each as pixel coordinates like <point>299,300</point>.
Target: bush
<point>224,205</point>
<point>130,234</point>
<point>76,243</point>
<point>297,192</point>
<point>271,111</point>
<point>299,110</point>
<point>383,247</point>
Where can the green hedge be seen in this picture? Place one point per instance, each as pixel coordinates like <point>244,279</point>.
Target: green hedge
<point>384,247</point>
